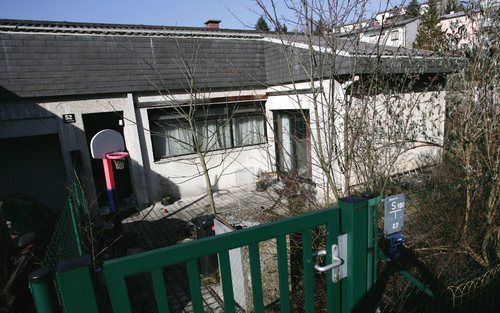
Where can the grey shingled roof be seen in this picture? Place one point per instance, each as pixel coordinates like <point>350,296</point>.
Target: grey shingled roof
<point>39,58</point>
<point>33,65</point>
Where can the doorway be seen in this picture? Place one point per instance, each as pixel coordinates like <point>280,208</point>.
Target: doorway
<point>293,148</point>
<point>94,123</point>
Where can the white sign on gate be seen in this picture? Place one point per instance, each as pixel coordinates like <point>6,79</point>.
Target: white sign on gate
<point>394,209</point>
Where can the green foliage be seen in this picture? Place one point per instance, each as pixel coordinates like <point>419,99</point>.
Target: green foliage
<point>413,8</point>
<point>279,28</point>
<point>454,5</point>
<point>261,25</point>
<point>321,27</point>
<point>429,35</point>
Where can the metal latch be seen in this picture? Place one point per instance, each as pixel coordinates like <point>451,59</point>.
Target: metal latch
<point>339,259</point>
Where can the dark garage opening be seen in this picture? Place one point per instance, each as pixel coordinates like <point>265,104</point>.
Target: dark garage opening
<point>34,165</point>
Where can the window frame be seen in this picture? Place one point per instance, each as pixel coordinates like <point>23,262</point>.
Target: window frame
<point>395,35</point>
<point>228,117</point>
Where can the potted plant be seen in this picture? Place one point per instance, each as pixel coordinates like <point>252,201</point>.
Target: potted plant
<point>167,199</point>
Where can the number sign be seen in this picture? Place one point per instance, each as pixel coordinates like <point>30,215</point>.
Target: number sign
<point>69,118</point>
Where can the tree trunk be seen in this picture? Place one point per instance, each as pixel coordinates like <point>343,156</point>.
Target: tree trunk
<point>208,183</point>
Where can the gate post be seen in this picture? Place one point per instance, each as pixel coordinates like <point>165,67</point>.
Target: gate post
<point>76,286</point>
<point>43,291</point>
<point>372,238</point>
<point>356,220</point>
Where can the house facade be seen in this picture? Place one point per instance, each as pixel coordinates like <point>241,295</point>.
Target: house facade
<point>395,28</point>
<point>251,110</point>
<point>391,28</point>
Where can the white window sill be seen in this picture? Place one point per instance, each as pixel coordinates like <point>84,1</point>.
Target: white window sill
<point>194,156</point>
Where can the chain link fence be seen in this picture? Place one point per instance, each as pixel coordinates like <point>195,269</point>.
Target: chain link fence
<point>67,240</point>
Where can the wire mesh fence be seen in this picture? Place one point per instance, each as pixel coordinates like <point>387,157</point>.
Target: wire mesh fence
<point>477,295</point>
<point>67,239</point>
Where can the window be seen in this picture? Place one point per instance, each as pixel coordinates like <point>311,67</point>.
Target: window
<point>215,127</point>
<point>292,142</point>
<point>395,35</point>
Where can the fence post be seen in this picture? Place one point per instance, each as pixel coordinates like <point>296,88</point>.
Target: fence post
<point>43,291</point>
<point>75,224</point>
<point>355,222</point>
<point>76,287</point>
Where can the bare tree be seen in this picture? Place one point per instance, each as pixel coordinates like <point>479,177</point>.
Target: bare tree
<point>365,123</point>
<point>194,125</point>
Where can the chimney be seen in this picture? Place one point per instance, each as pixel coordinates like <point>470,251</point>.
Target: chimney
<point>212,24</point>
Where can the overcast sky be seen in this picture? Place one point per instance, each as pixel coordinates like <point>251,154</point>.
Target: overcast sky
<point>233,13</point>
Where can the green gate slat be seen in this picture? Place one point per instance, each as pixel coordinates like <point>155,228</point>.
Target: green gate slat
<point>283,274</point>
<point>160,292</point>
<point>258,302</point>
<point>332,290</point>
<point>227,282</point>
<point>194,286</point>
<point>117,289</point>
<point>308,271</point>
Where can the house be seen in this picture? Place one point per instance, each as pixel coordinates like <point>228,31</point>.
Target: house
<point>466,29</point>
<point>392,28</point>
<point>459,27</point>
<point>62,82</point>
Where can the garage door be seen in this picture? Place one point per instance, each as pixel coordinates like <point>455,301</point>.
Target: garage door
<point>34,166</point>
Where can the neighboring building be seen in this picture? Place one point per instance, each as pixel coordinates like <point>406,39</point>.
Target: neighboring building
<point>392,28</point>
<point>463,29</point>
<point>60,83</point>
<point>460,27</point>
<point>395,28</point>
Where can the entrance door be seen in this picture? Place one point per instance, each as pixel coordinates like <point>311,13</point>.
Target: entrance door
<point>94,123</point>
<point>293,149</point>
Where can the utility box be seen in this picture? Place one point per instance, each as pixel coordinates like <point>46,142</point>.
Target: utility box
<point>394,245</point>
<point>207,265</point>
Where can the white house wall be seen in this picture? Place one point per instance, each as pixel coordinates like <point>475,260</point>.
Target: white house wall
<point>432,105</point>
<point>427,111</point>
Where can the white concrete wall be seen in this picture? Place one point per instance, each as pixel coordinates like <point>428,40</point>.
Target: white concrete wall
<point>417,124</point>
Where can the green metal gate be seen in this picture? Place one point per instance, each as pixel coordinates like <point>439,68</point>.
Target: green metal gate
<point>354,218</point>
